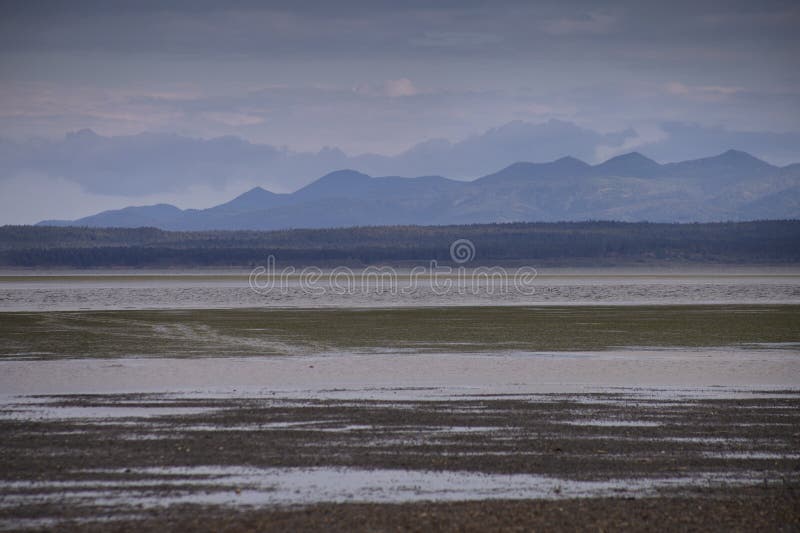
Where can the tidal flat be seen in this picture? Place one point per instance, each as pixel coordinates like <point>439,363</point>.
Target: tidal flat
<point>626,458</point>
<point>371,417</point>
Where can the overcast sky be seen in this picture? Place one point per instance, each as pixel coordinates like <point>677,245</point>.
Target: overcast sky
<point>380,77</point>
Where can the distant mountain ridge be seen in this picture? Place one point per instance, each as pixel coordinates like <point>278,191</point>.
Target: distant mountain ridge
<point>730,186</point>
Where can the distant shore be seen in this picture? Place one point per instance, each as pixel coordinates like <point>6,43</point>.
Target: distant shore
<point>559,244</point>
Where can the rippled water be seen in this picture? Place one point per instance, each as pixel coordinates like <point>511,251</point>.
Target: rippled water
<point>92,291</point>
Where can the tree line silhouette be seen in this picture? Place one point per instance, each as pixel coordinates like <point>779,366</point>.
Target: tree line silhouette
<point>603,242</point>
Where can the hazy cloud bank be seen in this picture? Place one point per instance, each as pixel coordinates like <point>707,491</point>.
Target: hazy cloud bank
<point>155,163</point>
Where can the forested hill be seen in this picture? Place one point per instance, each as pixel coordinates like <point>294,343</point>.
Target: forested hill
<point>562,243</point>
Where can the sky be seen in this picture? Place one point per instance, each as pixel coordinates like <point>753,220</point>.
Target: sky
<point>107,104</point>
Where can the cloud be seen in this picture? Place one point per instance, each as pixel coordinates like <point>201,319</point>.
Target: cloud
<point>390,88</point>
<point>498,147</point>
<point>645,134</point>
<point>685,140</point>
<point>138,165</point>
<point>401,87</point>
<point>283,73</point>
<point>154,163</point>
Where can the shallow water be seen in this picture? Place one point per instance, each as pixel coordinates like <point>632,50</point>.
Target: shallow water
<point>674,372</point>
<point>84,290</point>
<point>293,486</point>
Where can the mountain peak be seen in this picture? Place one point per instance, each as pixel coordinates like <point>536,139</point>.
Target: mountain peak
<point>255,198</point>
<point>566,167</point>
<point>729,157</point>
<point>733,157</point>
<point>740,156</point>
<point>255,191</point>
<point>632,157</point>
<point>254,195</point>
<point>570,161</point>
<point>632,164</point>
<point>340,178</point>
<point>335,184</point>
<point>734,152</point>
<point>344,175</point>
<point>567,158</point>
<point>722,168</point>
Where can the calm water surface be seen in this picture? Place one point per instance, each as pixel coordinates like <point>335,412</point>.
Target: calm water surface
<point>45,291</point>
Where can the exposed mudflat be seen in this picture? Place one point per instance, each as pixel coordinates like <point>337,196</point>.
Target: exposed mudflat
<point>435,418</point>
<point>90,458</point>
<point>745,510</point>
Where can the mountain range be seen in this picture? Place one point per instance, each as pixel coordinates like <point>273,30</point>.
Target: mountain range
<point>631,187</point>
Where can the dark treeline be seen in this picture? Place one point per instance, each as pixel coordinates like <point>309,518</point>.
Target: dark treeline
<point>567,242</point>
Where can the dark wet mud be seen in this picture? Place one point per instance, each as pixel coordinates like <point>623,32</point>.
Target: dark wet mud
<point>117,462</point>
<point>747,510</point>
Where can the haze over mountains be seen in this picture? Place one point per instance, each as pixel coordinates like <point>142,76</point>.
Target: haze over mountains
<point>731,186</point>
